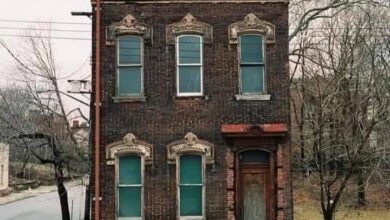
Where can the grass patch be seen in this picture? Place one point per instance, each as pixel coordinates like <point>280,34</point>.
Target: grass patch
<point>307,202</point>
<point>312,212</point>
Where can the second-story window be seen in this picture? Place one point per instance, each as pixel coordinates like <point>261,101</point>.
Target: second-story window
<point>189,59</point>
<point>252,71</point>
<point>129,66</point>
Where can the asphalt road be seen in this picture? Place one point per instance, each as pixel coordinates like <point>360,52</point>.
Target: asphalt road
<point>45,206</point>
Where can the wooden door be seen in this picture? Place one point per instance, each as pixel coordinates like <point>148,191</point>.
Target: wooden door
<point>254,193</point>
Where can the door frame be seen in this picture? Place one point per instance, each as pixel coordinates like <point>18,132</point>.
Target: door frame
<point>270,205</point>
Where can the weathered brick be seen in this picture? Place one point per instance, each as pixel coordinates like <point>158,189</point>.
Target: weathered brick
<point>164,118</point>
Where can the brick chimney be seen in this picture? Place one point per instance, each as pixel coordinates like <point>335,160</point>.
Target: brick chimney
<point>75,123</point>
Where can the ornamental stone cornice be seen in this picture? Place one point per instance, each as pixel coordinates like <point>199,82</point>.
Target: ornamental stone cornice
<point>128,26</point>
<point>129,145</point>
<point>251,25</point>
<point>189,25</point>
<point>190,144</point>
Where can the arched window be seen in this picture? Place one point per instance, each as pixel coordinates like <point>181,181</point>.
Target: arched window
<point>251,35</point>
<point>252,62</point>
<point>129,65</point>
<point>129,156</point>
<point>130,187</point>
<point>191,156</point>
<point>191,185</point>
<point>189,59</point>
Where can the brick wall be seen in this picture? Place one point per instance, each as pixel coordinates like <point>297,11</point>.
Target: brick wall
<point>164,118</point>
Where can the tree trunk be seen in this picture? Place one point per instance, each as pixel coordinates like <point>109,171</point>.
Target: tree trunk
<point>62,193</point>
<point>361,190</point>
<point>328,214</point>
<point>22,172</point>
<point>304,171</point>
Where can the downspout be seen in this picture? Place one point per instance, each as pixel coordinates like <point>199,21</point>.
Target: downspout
<point>97,113</point>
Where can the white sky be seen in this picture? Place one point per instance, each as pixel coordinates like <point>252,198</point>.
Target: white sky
<point>72,56</point>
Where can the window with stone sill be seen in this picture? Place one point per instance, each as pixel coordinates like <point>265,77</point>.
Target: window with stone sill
<point>129,36</point>
<point>129,156</point>
<point>191,156</point>
<point>252,65</point>
<point>129,66</point>
<point>191,190</point>
<point>189,60</point>
<point>251,36</point>
<point>130,187</point>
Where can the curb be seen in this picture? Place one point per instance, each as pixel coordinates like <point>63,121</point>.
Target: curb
<point>16,196</point>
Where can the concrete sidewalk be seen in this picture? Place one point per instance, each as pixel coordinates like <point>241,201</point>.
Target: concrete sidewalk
<point>15,196</point>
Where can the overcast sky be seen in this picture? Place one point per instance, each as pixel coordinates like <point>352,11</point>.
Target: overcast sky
<point>72,55</point>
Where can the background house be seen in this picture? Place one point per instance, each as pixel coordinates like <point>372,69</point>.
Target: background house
<point>4,166</point>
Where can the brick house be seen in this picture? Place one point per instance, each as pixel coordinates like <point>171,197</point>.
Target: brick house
<point>194,110</point>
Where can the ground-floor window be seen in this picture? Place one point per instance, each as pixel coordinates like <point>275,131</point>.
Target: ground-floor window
<point>190,156</point>
<point>129,187</point>
<point>129,156</point>
<point>191,185</point>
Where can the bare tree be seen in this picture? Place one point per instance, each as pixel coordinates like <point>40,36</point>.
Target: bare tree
<point>42,124</point>
<point>306,17</point>
<point>341,75</point>
<point>304,13</point>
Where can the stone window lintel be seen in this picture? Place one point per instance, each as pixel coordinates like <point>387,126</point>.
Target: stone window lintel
<point>252,25</point>
<point>128,26</point>
<point>189,25</point>
<point>129,145</point>
<point>190,144</point>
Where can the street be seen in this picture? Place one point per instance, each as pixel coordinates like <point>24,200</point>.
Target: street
<point>45,206</point>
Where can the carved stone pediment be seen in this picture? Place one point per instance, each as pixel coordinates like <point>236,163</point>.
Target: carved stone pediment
<point>128,26</point>
<point>129,145</point>
<point>251,24</point>
<point>189,25</point>
<point>190,144</point>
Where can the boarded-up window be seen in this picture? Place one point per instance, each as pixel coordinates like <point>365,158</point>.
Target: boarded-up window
<point>129,66</point>
<point>251,64</point>
<point>129,186</point>
<point>191,185</point>
<point>189,65</point>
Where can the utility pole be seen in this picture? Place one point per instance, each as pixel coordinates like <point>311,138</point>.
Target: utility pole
<point>84,87</point>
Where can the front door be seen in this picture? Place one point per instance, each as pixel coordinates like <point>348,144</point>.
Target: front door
<point>254,185</point>
<point>254,193</point>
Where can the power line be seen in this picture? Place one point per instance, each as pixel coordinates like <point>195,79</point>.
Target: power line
<point>77,70</point>
<point>86,77</point>
<point>56,38</point>
<point>45,29</point>
<point>43,22</point>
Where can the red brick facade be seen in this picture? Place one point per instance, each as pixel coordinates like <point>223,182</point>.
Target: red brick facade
<point>164,118</point>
